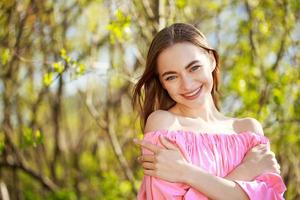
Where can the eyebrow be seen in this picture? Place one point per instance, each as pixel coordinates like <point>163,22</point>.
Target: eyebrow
<point>186,67</point>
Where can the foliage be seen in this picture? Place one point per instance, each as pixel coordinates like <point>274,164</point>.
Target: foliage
<point>67,72</point>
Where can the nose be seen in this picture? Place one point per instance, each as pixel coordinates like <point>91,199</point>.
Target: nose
<point>186,83</point>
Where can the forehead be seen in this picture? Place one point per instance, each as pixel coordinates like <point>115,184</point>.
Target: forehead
<point>179,55</point>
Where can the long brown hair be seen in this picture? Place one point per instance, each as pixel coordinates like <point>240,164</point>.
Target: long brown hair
<point>148,94</point>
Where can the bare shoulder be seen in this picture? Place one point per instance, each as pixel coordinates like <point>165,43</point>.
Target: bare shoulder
<point>159,120</point>
<point>249,124</point>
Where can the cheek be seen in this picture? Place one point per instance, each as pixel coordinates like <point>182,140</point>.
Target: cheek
<point>207,76</point>
<point>171,89</point>
<point>209,82</point>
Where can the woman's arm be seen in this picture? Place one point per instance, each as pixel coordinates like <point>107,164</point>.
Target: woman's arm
<point>166,168</point>
<point>241,172</point>
<point>170,165</point>
<point>212,186</point>
<point>258,160</point>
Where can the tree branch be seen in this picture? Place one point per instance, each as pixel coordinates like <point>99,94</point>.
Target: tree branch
<point>46,182</point>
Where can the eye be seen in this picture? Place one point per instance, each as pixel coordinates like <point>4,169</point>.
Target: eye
<point>170,78</point>
<point>194,68</point>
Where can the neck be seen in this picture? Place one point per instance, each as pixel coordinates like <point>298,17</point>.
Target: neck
<point>206,112</point>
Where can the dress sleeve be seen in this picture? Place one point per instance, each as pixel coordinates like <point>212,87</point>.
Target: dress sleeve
<point>153,188</point>
<point>156,189</point>
<point>269,186</point>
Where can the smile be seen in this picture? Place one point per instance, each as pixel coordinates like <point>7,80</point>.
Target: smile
<point>194,94</point>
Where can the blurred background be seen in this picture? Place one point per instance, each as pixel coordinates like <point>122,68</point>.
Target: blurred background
<point>67,73</point>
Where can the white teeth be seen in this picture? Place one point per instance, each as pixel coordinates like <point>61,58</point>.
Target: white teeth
<point>193,92</point>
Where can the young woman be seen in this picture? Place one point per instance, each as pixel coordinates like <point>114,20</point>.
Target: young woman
<point>191,150</point>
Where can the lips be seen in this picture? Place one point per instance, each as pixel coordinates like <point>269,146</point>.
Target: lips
<point>194,94</point>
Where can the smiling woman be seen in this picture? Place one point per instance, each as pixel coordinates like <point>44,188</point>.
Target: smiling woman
<point>186,81</point>
<point>190,149</point>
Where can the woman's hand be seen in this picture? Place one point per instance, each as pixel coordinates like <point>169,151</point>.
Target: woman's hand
<point>166,163</point>
<point>259,160</point>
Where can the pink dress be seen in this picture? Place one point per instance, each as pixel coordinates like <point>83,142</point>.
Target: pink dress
<point>218,154</point>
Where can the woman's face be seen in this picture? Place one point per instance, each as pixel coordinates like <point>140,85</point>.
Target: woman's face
<point>185,71</point>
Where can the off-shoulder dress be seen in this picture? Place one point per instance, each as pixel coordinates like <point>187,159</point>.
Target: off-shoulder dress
<point>216,153</point>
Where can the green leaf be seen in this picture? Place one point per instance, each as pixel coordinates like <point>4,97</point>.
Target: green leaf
<point>64,55</point>
<point>5,56</point>
<point>47,80</point>
<point>2,142</point>
<point>292,138</point>
<point>58,67</point>
<point>125,187</point>
<point>39,137</point>
<point>116,82</point>
<point>271,76</point>
<point>74,64</point>
<point>31,138</point>
<point>180,4</point>
<point>119,27</point>
<point>264,28</point>
<point>278,96</point>
<point>63,194</point>
<point>89,162</point>
<point>80,69</point>
<point>242,85</point>
<point>27,137</point>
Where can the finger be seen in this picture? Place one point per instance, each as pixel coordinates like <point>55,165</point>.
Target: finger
<point>148,165</point>
<point>147,158</point>
<point>167,143</point>
<point>269,157</point>
<point>139,160</point>
<point>147,145</point>
<point>272,154</point>
<point>257,148</point>
<point>262,146</point>
<point>277,169</point>
<point>150,173</point>
<point>264,149</point>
